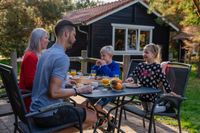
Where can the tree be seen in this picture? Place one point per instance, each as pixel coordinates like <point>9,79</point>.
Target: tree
<point>180,12</point>
<point>184,13</point>
<point>87,3</point>
<point>16,23</point>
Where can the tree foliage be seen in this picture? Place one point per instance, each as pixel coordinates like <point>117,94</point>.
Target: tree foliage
<point>181,12</point>
<point>86,3</point>
<point>20,17</point>
<point>185,14</point>
<point>15,21</point>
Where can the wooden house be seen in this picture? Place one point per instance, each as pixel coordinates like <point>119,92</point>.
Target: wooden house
<point>127,25</point>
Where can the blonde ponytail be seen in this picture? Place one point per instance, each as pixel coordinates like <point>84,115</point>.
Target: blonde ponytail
<point>156,50</point>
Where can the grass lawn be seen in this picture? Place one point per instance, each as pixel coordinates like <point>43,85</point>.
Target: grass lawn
<point>190,111</point>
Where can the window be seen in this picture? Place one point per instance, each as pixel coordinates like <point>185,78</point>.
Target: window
<point>119,40</point>
<point>131,39</point>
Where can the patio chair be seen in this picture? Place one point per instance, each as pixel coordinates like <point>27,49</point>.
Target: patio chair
<point>180,72</point>
<point>3,96</point>
<point>132,66</point>
<point>26,124</point>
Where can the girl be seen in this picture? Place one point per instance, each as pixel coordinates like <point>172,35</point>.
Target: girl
<point>149,74</point>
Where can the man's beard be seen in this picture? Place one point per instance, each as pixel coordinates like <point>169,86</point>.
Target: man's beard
<point>70,44</point>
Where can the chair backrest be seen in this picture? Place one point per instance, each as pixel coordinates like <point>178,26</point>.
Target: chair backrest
<point>13,92</point>
<point>132,66</point>
<point>178,75</point>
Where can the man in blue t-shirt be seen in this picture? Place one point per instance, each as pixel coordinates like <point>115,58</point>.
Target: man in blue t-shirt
<point>49,83</point>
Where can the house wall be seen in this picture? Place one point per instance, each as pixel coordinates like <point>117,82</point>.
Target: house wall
<point>101,31</point>
<point>80,44</point>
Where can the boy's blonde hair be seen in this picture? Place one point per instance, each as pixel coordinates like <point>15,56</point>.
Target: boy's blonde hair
<point>107,50</point>
<point>155,49</point>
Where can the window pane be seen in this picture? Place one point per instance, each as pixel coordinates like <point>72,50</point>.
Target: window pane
<point>144,38</point>
<point>132,39</point>
<point>119,39</point>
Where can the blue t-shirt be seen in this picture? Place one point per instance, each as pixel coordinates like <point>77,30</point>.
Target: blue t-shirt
<point>53,63</point>
<point>110,70</point>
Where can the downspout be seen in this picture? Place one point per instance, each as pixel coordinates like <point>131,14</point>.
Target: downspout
<point>78,27</point>
<point>86,33</point>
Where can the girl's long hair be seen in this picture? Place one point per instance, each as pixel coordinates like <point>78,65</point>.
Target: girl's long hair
<point>155,49</point>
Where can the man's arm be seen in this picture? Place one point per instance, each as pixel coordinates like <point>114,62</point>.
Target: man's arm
<point>56,91</point>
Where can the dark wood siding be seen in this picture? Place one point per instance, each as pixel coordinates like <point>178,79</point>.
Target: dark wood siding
<point>101,31</point>
<point>80,44</point>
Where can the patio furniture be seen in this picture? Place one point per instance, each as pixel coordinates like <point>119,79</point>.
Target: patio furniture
<point>26,123</point>
<point>180,72</point>
<point>132,66</point>
<point>3,96</point>
<point>103,92</point>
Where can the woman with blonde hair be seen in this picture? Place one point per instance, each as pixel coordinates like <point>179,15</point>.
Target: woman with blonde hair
<point>38,41</point>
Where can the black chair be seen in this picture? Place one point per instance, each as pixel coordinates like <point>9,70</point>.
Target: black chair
<point>26,124</point>
<point>3,96</point>
<point>132,66</point>
<point>180,73</point>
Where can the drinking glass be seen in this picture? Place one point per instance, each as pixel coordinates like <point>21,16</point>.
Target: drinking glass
<point>93,73</point>
<point>116,76</point>
<point>73,72</point>
<point>105,81</point>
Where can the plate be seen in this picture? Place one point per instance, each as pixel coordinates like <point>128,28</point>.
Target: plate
<point>131,85</point>
<point>117,90</point>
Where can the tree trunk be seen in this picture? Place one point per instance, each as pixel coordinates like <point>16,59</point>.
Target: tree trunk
<point>14,61</point>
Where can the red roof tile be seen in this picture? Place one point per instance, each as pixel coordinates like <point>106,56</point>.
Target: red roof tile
<point>87,14</point>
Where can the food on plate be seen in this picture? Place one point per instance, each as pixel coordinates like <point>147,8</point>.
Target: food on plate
<point>116,84</point>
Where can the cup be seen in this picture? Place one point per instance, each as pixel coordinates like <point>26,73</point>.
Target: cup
<point>116,76</point>
<point>105,81</point>
<point>73,72</point>
<point>93,73</point>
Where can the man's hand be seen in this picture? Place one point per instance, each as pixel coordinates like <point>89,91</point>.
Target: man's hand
<point>85,89</point>
<point>71,82</point>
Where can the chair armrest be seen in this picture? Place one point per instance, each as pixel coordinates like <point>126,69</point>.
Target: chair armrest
<point>26,95</point>
<point>165,96</point>
<point>176,100</point>
<point>48,108</point>
<point>24,91</point>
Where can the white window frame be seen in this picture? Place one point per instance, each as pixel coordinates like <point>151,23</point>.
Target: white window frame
<point>126,27</point>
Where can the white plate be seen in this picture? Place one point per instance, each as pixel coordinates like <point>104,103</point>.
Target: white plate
<point>131,85</point>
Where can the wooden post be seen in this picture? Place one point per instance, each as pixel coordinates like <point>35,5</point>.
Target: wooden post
<point>126,62</point>
<point>14,62</point>
<point>83,62</point>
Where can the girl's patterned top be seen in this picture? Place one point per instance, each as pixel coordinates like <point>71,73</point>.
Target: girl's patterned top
<point>150,75</point>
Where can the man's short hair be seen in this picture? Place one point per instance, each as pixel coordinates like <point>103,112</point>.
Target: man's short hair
<point>62,25</point>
